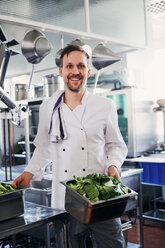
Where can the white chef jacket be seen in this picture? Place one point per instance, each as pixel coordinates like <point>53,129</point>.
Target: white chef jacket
<point>93,142</point>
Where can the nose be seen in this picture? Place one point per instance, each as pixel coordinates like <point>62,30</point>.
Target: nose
<point>75,70</point>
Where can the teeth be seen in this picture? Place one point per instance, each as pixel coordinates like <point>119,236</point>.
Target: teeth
<point>74,79</point>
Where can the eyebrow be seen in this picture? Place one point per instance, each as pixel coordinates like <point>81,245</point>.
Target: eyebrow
<point>80,63</point>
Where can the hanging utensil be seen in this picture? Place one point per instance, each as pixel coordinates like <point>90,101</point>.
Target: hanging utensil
<point>76,42</point>
<point>30,79</point>
<point>57,57</point>
<point>102,57</point>
<point>13,161</point>
<point>35,46</point>
<point>5,156</point>
<point>4,68</point>
<point>2,52</point>
<point>10,154</point>
<point>87,49</point>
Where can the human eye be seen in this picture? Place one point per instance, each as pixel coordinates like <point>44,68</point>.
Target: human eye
<point>81,66</point>
<point>69,66</point>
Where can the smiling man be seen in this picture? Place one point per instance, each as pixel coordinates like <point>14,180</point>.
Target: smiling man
<point>74,70</point>
<point>79,133</point>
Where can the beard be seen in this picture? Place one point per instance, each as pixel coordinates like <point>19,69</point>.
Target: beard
<point>79,86</point>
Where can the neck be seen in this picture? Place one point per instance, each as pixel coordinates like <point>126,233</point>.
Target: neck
<point>73,99</point>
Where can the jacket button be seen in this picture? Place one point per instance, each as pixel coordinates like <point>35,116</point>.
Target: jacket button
<point>63,149</point>
<point>82,148</point>
<point>66,171</point>
<point>83,169</point>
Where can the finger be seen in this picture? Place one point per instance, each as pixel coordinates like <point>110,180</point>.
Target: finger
<point>14,184</point>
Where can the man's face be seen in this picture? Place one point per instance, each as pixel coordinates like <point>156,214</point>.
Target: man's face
<point>74,70</point>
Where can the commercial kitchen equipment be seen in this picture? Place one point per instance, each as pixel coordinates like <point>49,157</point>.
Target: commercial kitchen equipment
<point>35,47</point>
<point>153,176</point>
<point>19,91</point>
<point>76,42</point>
<point>161,103</point>
<point>132,178</point>
<point>34,216</point>
<point>11,204</point>
<point>51,84</point>
<point>6,99</point>
<point>40,193</point>
<point>135,115</point>
<point>88,212</point>
<point>19,114</point>
<point>102,57</point>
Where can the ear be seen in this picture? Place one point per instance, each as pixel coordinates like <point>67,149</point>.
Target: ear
<point>60,71</point>
<point>88,73</point>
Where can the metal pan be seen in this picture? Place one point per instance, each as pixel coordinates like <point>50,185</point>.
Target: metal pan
<point>89,213</point>
<point>11,204</point>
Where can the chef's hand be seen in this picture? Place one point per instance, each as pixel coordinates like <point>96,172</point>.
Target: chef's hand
<point>113,172</point>
<point>22,180</point>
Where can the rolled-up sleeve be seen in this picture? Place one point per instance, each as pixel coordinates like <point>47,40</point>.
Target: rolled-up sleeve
<point>115,147</point>
<point>42,153</point>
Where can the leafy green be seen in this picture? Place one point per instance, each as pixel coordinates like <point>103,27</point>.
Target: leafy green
<point>6,188</point>
<point>97,187</point>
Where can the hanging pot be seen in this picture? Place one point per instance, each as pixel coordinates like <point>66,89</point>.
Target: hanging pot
<point>35,46</point>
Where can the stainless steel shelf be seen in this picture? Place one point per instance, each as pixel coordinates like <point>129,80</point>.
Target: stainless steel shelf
<point>158,214</point>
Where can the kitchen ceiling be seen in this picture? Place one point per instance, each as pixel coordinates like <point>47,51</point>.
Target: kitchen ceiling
<point>156,7</point>
<point>156,13</point>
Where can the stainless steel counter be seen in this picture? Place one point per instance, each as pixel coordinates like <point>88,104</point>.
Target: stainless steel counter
<point>131,177</point>
<point>152,158</point>
<point>126,172</point>
<point>34,215</point>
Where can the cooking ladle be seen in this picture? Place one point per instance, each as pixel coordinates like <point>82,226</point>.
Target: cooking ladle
<point>102,57</point>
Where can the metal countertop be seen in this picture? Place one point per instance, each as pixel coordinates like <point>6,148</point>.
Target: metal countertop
<point>126,172</point>
<point>153,158</point>
<point>34,215</point>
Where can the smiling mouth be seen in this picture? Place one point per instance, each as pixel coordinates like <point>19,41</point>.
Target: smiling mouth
<point>73,78</point>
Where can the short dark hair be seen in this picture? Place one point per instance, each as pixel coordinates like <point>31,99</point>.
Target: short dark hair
<point>70,48</point>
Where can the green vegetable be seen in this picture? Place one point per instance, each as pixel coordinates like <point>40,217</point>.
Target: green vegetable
<point>97,187</point>
<point>6,188</point>
<point>9,187</point>
<point>3,189</point>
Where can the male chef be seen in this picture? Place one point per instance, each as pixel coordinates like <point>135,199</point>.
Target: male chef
<point>78,131</point>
